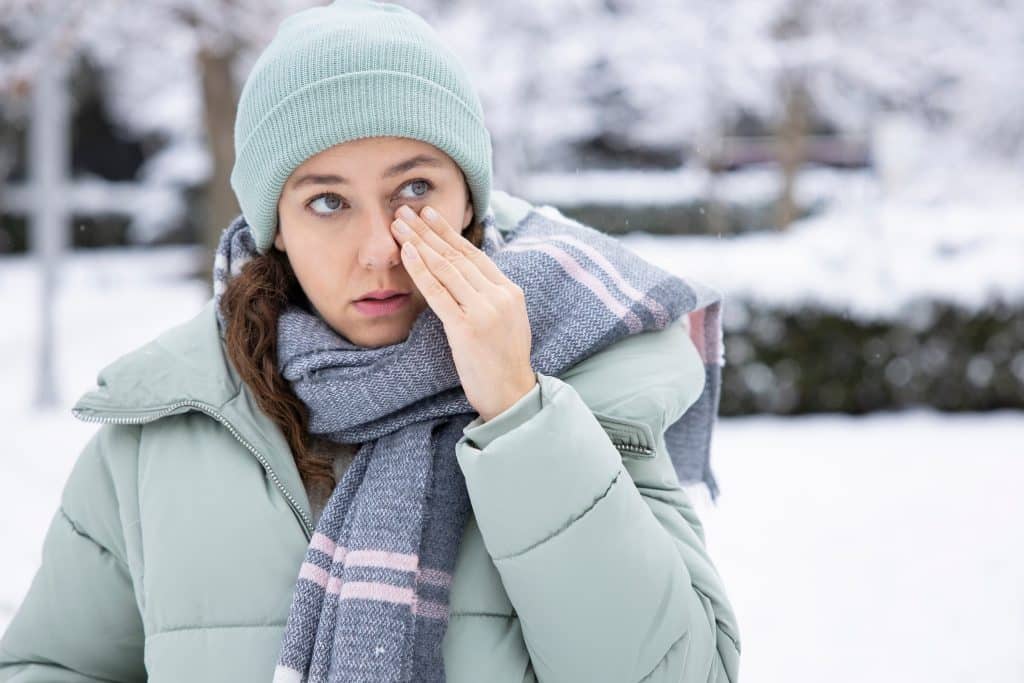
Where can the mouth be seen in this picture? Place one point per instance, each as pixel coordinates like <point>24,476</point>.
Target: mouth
<point>380,294</point>
<point>377,305</point>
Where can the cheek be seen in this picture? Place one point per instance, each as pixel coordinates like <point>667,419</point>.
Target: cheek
<point>319,271</point>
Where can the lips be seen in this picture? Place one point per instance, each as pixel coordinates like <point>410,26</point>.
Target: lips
<point>381,295</point>
<point>374,307</point>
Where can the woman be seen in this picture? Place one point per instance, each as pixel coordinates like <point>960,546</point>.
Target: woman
<point>422,431</point>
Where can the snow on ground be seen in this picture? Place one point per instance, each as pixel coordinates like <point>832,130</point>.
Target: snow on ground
<point>883,548</point>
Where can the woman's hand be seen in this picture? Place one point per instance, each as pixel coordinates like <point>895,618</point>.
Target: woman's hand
<point>483,312</point>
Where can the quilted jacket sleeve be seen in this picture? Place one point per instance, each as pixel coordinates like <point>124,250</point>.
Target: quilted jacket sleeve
<point>601,555</point>
<point>79,620</point>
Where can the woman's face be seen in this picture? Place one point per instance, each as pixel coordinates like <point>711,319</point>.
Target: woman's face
<point>335,215</point>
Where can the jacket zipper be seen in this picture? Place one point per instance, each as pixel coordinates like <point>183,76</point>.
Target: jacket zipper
<point>632,448</point>
<point>307,524</point>
<point>634,443</point>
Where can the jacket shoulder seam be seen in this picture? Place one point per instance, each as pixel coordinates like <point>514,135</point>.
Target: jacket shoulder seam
<point>76,527</point>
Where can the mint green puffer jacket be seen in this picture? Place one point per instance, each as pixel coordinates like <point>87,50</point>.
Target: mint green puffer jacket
<point>183,524</point>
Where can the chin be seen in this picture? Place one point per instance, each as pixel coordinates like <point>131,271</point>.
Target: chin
<point>371,336</point>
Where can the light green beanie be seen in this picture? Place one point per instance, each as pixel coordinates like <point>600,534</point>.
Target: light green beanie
<point>349,70</point>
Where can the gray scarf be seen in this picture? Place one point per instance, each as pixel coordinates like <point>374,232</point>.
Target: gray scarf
<point>371,599</point>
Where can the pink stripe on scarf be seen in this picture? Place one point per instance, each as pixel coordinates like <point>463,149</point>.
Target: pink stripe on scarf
<point>339,554</point>
<point>697,334</point>
<point>313,573</point>
<point>716,348</point>
<point>368,558</point>
<point>322,543</point>
<point>374,590</point>
<point>657,310</point>
<point>381,558</point>
<point>435,577</point>
<point>578,273</point>
<point>708,341</point>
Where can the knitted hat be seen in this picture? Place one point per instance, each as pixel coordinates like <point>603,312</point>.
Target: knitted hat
<point>353,69</point>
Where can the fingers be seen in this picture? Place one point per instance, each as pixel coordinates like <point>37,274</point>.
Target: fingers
<point>442,262</point>
<point>434,291</point>
<point>476,256</point>
<point>438,232</point>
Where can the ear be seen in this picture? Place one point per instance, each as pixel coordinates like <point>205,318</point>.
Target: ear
<point>469,213</point>
<point>279,240</point>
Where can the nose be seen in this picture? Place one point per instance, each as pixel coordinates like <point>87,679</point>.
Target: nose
<point>379,248</point>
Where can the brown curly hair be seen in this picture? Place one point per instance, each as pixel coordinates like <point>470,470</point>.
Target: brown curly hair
<point>251,304</point>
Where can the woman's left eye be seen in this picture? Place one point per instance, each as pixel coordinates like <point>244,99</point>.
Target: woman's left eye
<point>424,184</point>
<point>326,196</point>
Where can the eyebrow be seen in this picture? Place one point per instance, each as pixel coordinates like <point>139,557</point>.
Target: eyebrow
<point>397,169</point>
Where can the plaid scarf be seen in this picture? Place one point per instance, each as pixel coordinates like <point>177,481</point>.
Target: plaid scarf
<point>371,599</point>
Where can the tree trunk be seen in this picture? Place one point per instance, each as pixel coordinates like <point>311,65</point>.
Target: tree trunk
<point>220,206</point>
<point>710,153</point>
<point>791,143</point>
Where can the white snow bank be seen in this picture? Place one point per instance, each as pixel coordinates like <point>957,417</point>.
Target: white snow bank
<point>867,262</point>
<point>754,184</point>
<point>884,548</point>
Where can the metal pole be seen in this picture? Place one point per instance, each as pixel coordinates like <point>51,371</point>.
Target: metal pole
<point>49,159</point>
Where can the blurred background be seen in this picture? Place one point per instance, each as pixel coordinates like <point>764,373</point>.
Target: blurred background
<point>848,173</point>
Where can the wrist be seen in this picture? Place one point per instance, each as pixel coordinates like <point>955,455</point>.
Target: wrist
<point>524,387</point>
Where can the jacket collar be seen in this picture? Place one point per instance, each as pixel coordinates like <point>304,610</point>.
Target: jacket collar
<point>186,368</point>
<point>185,362</point>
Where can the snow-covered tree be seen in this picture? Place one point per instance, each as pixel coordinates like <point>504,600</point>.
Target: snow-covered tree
<point>171,67</point>
<point>555,74</point>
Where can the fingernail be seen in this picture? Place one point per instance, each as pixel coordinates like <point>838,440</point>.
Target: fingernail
<point>401,227</point>
<point>404,210</point>
<point>410,251</point>
<point>430,214</point>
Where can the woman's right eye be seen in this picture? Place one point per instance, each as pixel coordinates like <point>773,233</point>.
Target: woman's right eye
<point>333,202</point>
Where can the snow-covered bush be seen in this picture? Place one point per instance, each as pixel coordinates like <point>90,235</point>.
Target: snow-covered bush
<point>812,360</point>
<point>879,304</point>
